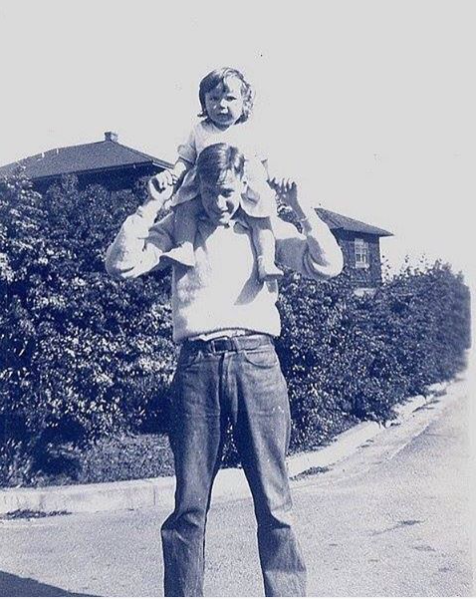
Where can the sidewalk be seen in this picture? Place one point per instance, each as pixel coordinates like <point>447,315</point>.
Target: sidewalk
<point>230,483</point>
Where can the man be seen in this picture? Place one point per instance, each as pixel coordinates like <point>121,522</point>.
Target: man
<point>226,319</point>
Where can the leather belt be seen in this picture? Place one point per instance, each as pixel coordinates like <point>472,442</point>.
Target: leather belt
<point>224,344</point>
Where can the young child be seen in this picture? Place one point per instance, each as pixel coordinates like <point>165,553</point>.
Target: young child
<point>226,99</point>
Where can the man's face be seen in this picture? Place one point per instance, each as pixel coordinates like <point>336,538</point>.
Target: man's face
<point>222,199</point>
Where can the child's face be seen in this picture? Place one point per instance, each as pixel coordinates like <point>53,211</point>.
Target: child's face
<point>224,103</point>
<point>222,199</point>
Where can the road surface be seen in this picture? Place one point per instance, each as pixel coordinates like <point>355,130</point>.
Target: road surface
<point>392,520</point>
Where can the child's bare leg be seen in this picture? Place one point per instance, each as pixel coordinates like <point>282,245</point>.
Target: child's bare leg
<point>265,246</point>
<point>185,229</point>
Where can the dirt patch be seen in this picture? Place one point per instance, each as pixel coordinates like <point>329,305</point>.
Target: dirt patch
<point>310,472</point>
<point>31,514</point>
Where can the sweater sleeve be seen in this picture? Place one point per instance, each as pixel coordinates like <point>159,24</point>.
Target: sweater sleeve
<point>139,245</point>
<point>314,253</point>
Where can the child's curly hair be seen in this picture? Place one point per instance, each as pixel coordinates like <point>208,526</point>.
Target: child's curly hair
<point>218,76</point>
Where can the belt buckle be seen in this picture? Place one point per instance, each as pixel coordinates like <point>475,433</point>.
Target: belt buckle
<point>220,345</point>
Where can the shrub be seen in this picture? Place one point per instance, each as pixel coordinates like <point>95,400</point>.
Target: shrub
<point>346,356</point>
<point>84,356</point>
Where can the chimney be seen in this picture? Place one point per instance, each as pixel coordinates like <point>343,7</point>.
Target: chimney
<point>111,136</point>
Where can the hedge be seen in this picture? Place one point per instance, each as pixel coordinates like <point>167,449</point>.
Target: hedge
<point>83,356</point>
<point>345,355</point>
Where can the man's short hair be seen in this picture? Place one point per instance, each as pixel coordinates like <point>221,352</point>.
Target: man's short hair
<point>218,159</point>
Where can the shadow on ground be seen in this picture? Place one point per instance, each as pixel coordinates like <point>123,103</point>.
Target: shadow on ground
<point>16,586</point>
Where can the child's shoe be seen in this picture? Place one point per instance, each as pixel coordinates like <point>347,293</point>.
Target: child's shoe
<point>267,270</point>
<point>183,254</point>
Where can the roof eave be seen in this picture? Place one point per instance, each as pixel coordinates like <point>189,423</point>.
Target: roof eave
<point>379,233</point>
<point>104,169</point>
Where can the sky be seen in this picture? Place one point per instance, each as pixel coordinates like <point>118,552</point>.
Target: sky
<point>370,105</point>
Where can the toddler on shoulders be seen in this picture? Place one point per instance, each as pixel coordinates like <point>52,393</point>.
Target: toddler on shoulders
<point>226,100</point>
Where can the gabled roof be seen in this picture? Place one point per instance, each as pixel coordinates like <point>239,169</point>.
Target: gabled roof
<point>337,221</point>
<point>99,156</point>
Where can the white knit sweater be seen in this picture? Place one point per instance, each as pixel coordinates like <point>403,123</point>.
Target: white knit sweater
<point>223,290</point>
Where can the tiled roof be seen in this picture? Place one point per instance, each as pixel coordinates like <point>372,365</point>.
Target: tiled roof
<point>101,155</point>
<point>337,221</point>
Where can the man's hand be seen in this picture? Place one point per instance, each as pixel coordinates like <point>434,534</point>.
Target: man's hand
<point>160,188</point>
<point>287,191</point>
<point>164,179</point>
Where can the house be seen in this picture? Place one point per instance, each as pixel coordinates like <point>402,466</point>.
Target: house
<point>106,162</point>
<point>116,166</point>
<point>360,244</point>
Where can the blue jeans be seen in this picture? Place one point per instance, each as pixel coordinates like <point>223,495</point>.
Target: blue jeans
<point>212,386</point>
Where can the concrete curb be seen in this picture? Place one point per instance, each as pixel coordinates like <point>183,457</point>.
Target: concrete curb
<point>155,492</point>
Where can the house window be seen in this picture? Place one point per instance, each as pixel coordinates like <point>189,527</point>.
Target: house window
<point>362,253</point>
